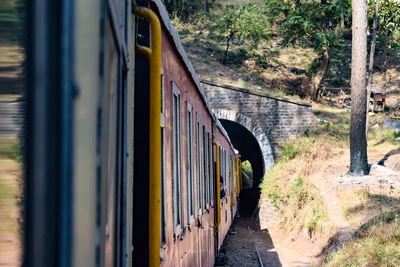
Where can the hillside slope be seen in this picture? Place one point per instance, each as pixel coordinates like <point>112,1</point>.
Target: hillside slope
<point>272,68</point>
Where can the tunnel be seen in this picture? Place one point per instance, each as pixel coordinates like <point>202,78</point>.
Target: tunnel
<point>249,149</point>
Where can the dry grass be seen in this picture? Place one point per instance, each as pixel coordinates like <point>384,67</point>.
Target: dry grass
<point>361,202</point>
<point>306,164</point>
<point>287,183</point>
<point>376,243</point>
<point>298,200</point>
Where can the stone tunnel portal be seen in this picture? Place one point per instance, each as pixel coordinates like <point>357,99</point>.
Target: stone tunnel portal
<point>247,145</point>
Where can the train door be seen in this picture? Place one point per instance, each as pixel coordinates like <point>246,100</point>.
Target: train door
<point>113,141</point>
<point>140,234</point>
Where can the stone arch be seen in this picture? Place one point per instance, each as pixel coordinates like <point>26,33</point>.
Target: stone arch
<point>251,126</point>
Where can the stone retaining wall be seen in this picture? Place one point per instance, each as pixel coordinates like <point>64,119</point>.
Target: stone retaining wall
<point>279,118</point>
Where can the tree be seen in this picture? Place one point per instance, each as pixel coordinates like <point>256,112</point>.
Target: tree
<point>389,27</point>
<point>312,23</point>
<point>358,139</point>
<point>186,9</point>
<point>371,58</point>
<point>247,23</point>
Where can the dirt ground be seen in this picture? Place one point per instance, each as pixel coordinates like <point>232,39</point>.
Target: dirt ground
<point>366,196</point>
<point>273,250</point>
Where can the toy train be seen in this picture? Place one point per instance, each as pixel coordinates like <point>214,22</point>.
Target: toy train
<point>125,163</point>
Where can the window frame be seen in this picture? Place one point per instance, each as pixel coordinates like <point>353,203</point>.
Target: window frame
<point>211,169</point>
<point>163,167</point>
<point>205,168</point>
<point>198,167</point>
<point>191,209</point>
<point>178,222</point>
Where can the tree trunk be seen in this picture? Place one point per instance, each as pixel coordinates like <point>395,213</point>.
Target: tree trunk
<point>371,59</point>
<point>228,41</point>
<point>358,140</point>
<point>316,82</point>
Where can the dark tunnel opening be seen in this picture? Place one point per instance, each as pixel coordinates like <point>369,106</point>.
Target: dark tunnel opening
<point>247,145</point>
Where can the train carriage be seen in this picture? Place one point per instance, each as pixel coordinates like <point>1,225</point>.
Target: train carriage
<point>88,146</point>
<point>190,231</point>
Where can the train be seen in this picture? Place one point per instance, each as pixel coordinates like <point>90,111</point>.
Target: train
<point>125,163</point>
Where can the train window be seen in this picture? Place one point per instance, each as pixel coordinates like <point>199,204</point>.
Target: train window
<point>224,170</point>
<point>190,180</point>
<point>205,168</point>
<point>176,160</point>
<point>163,177</point>
<point>109,151</point>
<point>221,171</point>
<point>210,172</point>
<point>234,180</point>
<point>198,166</point>
<point>229,162</point>
<point>230,174</point>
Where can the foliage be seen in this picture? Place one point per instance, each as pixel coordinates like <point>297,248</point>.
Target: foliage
<point>246,167</point>
<point>289,151</point>
<point>247,23</point>
<point>187,9</point>
<point>309,22</point>
<point>389,22</point>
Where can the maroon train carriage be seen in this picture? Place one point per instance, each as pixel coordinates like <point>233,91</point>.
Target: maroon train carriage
<point>191,231</point>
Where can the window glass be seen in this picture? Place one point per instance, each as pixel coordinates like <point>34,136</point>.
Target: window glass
<point>205,168</point>
<point>210,169</point>
<point>198,166</point>
<point>176,160</point>
<point>163,182</point>
<point>110,154</point>
<point>190,182</point>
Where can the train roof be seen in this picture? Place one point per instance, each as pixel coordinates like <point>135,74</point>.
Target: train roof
<point>174,36</point>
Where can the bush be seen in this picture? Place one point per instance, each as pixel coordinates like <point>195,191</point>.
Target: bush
<point>289,151</point>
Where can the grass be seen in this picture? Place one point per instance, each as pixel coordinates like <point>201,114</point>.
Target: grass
<point>287,187</point>
<point>375,243</point>
<point>361,201</point>
<point>389,136</point>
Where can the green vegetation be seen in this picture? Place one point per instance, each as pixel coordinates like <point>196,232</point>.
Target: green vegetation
<point>246,23</point>
<point>298,201</point>
<point>389,24</point>
<point>390,136</point>
<point>288,187</point>
<point>366,202</point>
<point>285,47</point>
<point>313,24</point>
<point>247,169</point>
<point>376,243</point>
<point>10,150</point>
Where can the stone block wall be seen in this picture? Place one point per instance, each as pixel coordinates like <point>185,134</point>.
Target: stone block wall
<point>279,118</point>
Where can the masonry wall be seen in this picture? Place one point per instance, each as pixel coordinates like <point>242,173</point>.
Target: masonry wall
<point>279,118</point>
